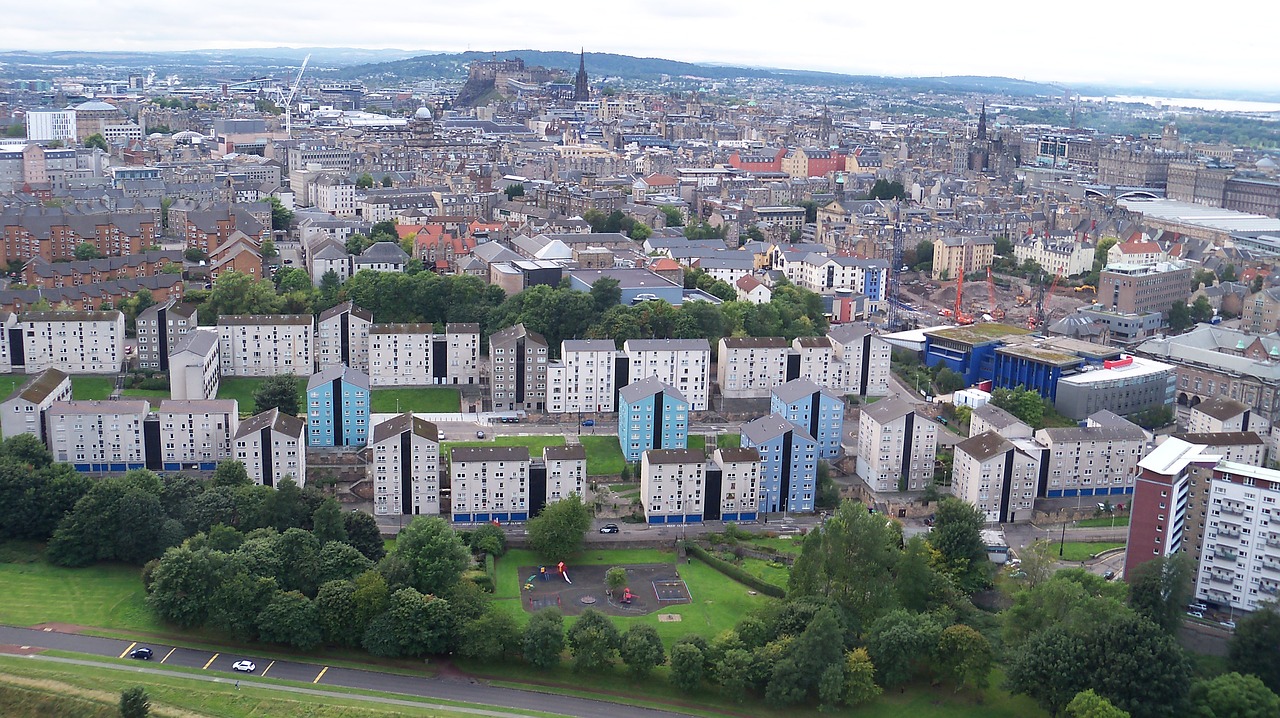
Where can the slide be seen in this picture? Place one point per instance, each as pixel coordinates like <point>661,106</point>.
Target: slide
<point>566,577</point>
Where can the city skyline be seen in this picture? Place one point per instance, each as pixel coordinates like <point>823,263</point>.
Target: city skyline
<point>1127,46</point>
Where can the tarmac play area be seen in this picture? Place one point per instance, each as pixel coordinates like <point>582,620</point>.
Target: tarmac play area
<point>653,588</point>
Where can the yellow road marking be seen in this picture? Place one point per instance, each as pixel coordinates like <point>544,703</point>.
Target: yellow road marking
<point>269,665</point>
<point>125,652</point>
<point>322,672</point>
<point>211,660</point>
<point>170,653</point>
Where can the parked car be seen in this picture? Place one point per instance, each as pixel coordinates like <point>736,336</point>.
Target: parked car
<point>1197,607</point>
<point>440,435</point>
<point>609,529</point>
<point>479,434</point>
<point>1228,624</point>
<point>142,654</point>
<point>1109,575</point>
<point>244,667</point>
<point>588,422</point>
<point>1195,614</point>
<point>510,420</point>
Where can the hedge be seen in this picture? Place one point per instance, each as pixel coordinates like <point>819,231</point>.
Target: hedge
<point>734,572</point>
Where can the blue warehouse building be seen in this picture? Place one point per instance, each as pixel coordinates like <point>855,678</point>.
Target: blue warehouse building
<point>338,407</point>
<point>789,463</point>
<point>651,415</point>
<point>815,408</point>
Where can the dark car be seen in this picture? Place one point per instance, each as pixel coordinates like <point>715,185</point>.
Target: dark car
<point>609,529</point>
<point>588,422</point>
<point>142,654</point>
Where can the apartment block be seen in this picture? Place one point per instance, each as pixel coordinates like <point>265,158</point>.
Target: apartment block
<point>651,415</point>
<point>160,329</point>
<point>266,344</point>
<point>826,274</point>
<point>997,475</point>
<point>75,342</point>
<point>342,337</point>
<point>566,468</point>
<point>195,368</point>
<point>896,447</point>
<point>734,475</point>
<point>272,446</point>
<point>489,483</point>
<point>672,485</point>
<point>338,407</point>
<point>1165,501</point>
<point>788,463</point>
<point>415,355</point>
<point>751,367</point>
<point>1218,414</point>
<point>682,363</point>
<point>23,412</point>
<point>1239,565</point>
<point>1138,288</point>
<point>404,465</point>
<point>820,411</point>
<point>518,360</point>
<point>97,436</point>
<point>1091,460</point>
<point>584,378</point>
<point>954,256</point>
<point>192,434</point>
<point>865,357</point>
<point>990,417</point>
<point>1240,447</point>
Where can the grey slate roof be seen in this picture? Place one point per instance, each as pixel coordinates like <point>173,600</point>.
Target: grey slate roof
<point>801,388</point>
<point>39,387</point>
<point>768,428</point>
<point>638,390</point>
<point>274,419</point>
<point>887,410</point>
<point>489,453</point>
<point>200,342</point>
<point>984,445</point>
<point>1220,408</point>
<point>675,456</point>
<point>339,371</point>
<point>576,452</point>
<point>397,425</point>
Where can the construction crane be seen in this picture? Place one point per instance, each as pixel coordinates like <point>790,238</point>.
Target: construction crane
<point>288,103</point>
<point>997,313</point>
<point>1038,316</point>
<point>957,313</point>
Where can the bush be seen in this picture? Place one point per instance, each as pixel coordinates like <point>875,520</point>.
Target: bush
<point>734,572</point>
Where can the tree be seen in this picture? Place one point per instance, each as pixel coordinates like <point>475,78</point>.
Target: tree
<point>965,656</point>
<point>957,535</point>
<point>327,523</point>
<point>605,292</point>
<point>490,637</point>
<point>1228,273</point>
<point>195,254</point>
<point>338,561</point>
<point>336,614</point>
<point>1071,597</point>
<point>1253,645</point>
<point>277,392</point>
<point>1201,310</point>
<point>901,643</point>
<point>615,579</point>
<point>1160,588</point>
<point>514,190</point>
<point>281,216</point>
<point>849,559</point>
<point>290,619</point>
<point>231,473</point>
<point>675,218</point>
<point>1023,403</point>
<point>686,666</point>
<point>641,649</point>
<point>1233,695</point>
<point>1038,560</point>
<point>1179,316</point>
<point>924,252</point>
<point>859,677</point>
<point>85,250</point>
<point>640,232</point>
<point>884,189</point>
<point>364,181</point>
<point>237,293</point>
<point>299,554</point>
<point>544,639</point>
<point>1257,284</point>
<point>917,582</point>
<point>948,381</point>
<point>1088,704</point>
<point>96,140</point>
<point>119,519</point>
<point>134,702</point>
<point>412,625</point>
<point>593,640</point>
<point>268,249</point>
<point>371,597</point>
<point>1004,247</point>
<point>556,532</point>
<point>434,553</point>
<point>489,539</point>
<point>387,181</point>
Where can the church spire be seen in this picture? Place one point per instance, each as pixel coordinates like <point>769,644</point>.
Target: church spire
<point>982,122</point>
<point>581,91</point>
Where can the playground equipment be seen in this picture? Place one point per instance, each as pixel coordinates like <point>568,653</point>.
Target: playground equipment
<point>563,572</point>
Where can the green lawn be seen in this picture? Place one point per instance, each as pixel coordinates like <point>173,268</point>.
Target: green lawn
<point>104,596</point>
<point>425,400</point>
<point>729,441</point>
<point>1083,550</point>
<point>535,444</point>
<point>155,396</point>
<point>92,387</point>
<point>785,545</point>
<point>241,389</point>
<point>697,441</point>
<point>1103,522</point>
<point>604,455</point>
<point>777,575</point>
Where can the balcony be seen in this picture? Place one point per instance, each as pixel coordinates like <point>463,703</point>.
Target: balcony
<point>1233,507</point>
<point>1222,577</point>
<point>1225,552</point>
<point>1229,531</point>
<point>1271,565</point>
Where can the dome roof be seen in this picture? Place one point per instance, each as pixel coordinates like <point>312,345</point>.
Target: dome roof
<point>423,113</point>
<point>95,105</point>
<point>1267,163</point>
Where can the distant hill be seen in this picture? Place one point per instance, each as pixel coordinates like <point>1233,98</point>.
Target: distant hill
<point>233,60</point>
<point>454,66</point>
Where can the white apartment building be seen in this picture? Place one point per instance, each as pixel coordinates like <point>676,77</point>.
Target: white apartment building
<point>414,355</point>
<point>342,337</point>
<point>404,464</point>
<point>23,411</point>
<point>896,447</point>
<point>566,472</point>
<point>672,482</point>
<point>583,379</point>
<point>334,195</point>
<point>990,417</point>
<point>1092,460</point>
<point>160,329</point>
<point>1065,257</point>
<point>997,476</point>
<point>1240,561</point>
<point>819,364</point>
<point>1239,447</point>
<point>273,445</point>
<point>195,368</point>
<point>751,367</point>
<point>824,273</point>
<point>739,483</point>
<point>78,342</point>
<point>866,359</point>
<point>46,126</point>
<point>97,436</point>
<point>197,434</point>
<point>682,363</point>
<point>266,344</point>
<point>490,483</point>
<point>462,353</point>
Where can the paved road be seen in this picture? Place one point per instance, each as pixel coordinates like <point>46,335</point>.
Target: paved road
<point>455,689</point>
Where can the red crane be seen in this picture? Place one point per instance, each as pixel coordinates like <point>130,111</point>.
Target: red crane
<point>996,312</point>
<point>957,314</point>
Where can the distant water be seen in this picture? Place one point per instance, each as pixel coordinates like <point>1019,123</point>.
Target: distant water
<point>1191,102</point>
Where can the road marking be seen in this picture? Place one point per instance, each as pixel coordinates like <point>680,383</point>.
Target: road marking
<point>125,652</point>
<point>269,665</point>
<point>211,660</point>
<point>322,672</point>
<point>170,653</point>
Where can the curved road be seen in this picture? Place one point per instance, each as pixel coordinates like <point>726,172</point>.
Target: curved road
<point>454,689</point>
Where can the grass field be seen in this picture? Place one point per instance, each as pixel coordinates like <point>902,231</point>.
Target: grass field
<point>105,596</point>
<point>785,545</point>
<point>777,575</point>
<point>152,395</point>
<point>425,399</point>
<point>92,387</point>
<point>604,455</point>
<point>241,389</point>
<point>535,444</point>
<point>697,441</point>
<point>1082,550</point>
<point>1103,522</point>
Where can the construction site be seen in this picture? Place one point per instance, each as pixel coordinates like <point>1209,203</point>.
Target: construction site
<point>995,298</point>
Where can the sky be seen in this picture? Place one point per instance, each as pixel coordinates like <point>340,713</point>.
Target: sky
<point>1134,44</point>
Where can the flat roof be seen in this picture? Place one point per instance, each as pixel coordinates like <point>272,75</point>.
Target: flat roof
<point>978,333</point>
<point>1097,374</point>
<point>1041,354</point>
<point>1198,215</point>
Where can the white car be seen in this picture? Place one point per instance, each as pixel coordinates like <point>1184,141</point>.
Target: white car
<point>244,667</point>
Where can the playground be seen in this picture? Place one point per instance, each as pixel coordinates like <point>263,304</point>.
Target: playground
<point>572,589</point>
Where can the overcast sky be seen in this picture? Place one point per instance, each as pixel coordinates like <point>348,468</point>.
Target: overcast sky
<point>1129,43</point>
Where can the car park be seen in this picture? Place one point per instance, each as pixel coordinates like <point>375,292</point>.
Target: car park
<point>244,667</point>
<point>141,653</point>
<point>609,529</point>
